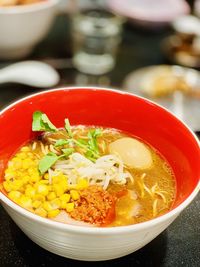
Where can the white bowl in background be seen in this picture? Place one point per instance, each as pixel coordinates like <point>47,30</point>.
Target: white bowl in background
<point>22,27</point>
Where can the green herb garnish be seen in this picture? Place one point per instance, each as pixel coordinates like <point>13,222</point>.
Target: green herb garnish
<point>67,151</point>
<point>82,141</point>
<point>90,155</point>
<point>42,123</point>
<point>90,147</point>
<point>92,142</point>
<point>92,136</point>
<point>47,161</point>
<point>61,142</point>
<point>68,128</point>
<point>50,159</point>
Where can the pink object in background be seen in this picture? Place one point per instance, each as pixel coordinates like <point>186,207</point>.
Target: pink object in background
<point>150,12</point>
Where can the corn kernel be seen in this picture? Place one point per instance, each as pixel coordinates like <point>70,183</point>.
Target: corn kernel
<point>30,192</point>
<point>64,185</point>
<point>7,186</point>
<point>27,163</point>
<point>53,213</point>
<point>28,186</point>
<point>21,155</point>
<point>44,182</point>
<point>22,190</point>
<point>34,178</point>
<point>65,197</point>
<point>63,204</point>
<point>36,162</point>
<point>47,206</point>
<point>31,155</point>
<point>82,184</point>
<point>25,149</point>
<point>25,179</point>
<point>46,176</point>
<point>73,186</point>
<point>14,195</point>
<point>39,197</point>
<point>36,204</point>
<point>55,179</point>
<point>17,163</point>
<point>69,207</point>
<point>32,171</point>
<point>42,189</point>
<point>58,189</point>
<point>13,185</point>
<point>41,212</point>
<point>59,178</point>
<point>51,196</point>
<point>64,178</point>
<point>9,173</point>
<point>55,203</point>
<point>25,202</point>
<point>74,194</point>
<point>8,177</point>
<point>17,184</point>
<point>15,159</point>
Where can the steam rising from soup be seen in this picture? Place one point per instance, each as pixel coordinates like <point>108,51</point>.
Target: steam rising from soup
<point>88,175</point>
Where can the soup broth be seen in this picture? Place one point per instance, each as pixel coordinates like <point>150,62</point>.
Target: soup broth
<point>90,175</point>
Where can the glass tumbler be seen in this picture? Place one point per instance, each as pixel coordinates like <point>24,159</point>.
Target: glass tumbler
<point>96,34</point>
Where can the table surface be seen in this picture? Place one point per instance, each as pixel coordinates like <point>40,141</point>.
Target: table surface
<point>179,245</point>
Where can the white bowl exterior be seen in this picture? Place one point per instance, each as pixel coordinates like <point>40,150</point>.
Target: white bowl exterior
<point>84,246</point>
<point>21,31</point>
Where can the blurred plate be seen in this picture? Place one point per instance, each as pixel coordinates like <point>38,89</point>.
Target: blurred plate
<point>174,87</point>
<point>182,53</point>
<point>150,13</point>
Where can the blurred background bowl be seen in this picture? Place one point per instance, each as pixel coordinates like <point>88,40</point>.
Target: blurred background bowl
<point>150,14</point>
<point>24,26</point>
<point>123,111</point>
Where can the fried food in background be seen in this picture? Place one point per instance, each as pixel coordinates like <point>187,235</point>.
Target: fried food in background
<point>6,3</point>
<point>164,81</point>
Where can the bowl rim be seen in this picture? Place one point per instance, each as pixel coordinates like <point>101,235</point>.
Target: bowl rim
<point>160,19</point>
<point>21,9</point>
<point>172,214</point>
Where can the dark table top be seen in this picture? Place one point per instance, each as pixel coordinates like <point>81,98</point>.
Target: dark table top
<point>179,245</point>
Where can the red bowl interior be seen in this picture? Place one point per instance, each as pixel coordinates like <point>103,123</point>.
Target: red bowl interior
<point>108,108</point>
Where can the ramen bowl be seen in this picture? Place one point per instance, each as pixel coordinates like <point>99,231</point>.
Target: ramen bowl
<point>108,108</point>
<point>22,27</point>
